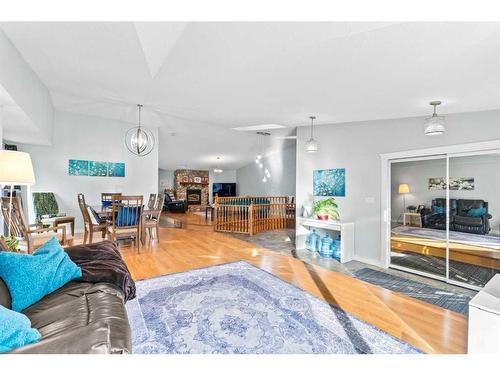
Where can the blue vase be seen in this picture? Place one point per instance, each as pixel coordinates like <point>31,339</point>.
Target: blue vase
<point>312,241</point>
<point>326,246</point>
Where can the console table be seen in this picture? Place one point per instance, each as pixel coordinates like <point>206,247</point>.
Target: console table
<point>346,230</point>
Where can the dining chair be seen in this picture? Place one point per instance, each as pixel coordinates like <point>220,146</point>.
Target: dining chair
<point>151,219</point>
<point>107,199</point>
<point>126,216</point>
<point>92,222</point>
<point>33,236</point>
<point>152,201</point>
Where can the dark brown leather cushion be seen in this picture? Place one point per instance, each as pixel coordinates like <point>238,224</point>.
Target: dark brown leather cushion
<point>80,318</point>
<point>5,300</point>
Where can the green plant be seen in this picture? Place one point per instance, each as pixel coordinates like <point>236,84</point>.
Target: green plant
<point>328,207</point>
<point>12,243</point>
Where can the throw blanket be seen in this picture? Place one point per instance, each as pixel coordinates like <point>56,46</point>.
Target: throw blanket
<point>102,262</point>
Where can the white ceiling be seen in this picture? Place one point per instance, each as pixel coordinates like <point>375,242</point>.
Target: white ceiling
<point>198,80</point>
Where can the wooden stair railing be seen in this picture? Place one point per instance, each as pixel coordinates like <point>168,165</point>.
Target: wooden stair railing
<point>244,215</point>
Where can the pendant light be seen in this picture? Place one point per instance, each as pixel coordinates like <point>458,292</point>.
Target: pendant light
<point>434,125</point>
<point>217,169</point>
<point>312,144</point>
<point>139,141</point>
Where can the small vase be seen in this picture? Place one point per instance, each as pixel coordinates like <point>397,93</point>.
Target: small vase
<point>322,217</point>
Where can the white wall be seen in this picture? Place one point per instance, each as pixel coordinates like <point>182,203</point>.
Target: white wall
<point>228,175</point>
<point>484,168</point>
<point>357,146</point>
<point>89,138</point>
<point>281,165</point>
<point>28,91</point>
<point>165,179</point>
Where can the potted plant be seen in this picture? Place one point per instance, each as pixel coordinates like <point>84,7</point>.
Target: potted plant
<point>326,209</point>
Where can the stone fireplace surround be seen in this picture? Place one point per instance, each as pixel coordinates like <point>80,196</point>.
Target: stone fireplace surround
<point>182,188</point>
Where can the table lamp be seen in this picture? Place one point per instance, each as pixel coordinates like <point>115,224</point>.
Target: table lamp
<point>404,189</point>
<point>15,169</point>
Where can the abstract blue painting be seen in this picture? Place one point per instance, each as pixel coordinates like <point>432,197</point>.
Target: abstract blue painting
<point>329,182</point>
<point>116,169</point>
<point>98,168</point>
<point>78,167</point>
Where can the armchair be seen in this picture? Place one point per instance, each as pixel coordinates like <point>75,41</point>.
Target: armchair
<point>465,221</point>
<point>30,237</point>
<point>174,205</point>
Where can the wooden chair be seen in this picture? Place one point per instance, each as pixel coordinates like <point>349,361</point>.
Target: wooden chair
<point>47,212</point>
<point>151,219</point>
<point>126,216</point>
<point>30,237</point>
<point>107,199</point>
<point>91,221</point>
<point>152,201</point>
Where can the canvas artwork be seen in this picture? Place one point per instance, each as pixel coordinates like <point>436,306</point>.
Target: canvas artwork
<point>78,167</point>
<point>456,183</point>
<point>116,169</point>
<point>98,168</point>
<point>329,182</point>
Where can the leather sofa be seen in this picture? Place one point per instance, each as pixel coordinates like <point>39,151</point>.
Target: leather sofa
<point>79,318</point>
<point>173,205</point>
<point>459,221</point>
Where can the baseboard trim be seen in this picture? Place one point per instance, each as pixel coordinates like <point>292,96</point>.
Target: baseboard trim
<point>373,262</point>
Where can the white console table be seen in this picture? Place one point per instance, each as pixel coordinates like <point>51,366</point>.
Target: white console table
<point>484,319</point>
<point>346,230</point>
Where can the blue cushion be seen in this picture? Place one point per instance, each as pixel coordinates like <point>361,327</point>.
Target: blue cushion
<point>15,330</point>
<point>476,212</point>
<point>29,278</point>
<point>107,203</point>
<point>128,216</point>
<point>439,209</point>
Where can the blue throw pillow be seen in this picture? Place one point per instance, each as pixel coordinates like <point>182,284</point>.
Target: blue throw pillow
<point>128,216</point>
<point>29,278</point>
<point>15,330</point>
<point>439,209</point>
<point>476,212</point>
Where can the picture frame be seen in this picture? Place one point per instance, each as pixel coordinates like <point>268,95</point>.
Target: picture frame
<point>185,179</point>
<point>197,180</point>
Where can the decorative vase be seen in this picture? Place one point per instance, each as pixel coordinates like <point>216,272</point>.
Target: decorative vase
<point>322,217</point>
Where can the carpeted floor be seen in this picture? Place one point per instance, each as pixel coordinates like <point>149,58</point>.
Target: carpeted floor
<point>457,302</point>
<point>237,308</point>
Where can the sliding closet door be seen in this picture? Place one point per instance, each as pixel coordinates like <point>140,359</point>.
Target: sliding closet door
<point>474,237</point>
<point>418,215</point>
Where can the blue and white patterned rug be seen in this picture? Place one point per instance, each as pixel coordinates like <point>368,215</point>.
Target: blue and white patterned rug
<point>238,308</point>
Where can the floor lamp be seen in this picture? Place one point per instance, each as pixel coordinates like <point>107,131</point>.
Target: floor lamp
<point>15,169</point>
<point>404,189</point>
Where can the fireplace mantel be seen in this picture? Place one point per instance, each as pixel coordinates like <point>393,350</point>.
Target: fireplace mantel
<point>182,186</point>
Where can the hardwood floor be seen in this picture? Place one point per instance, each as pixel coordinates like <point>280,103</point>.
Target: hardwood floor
<point>428,327</point>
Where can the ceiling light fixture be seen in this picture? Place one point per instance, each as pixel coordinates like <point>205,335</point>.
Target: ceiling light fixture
<point>312,144</point>
<point>139,141</point>
<point>434,125</point>
<point>217,169</point>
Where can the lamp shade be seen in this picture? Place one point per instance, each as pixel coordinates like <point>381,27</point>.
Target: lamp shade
<point>16,168</point>
<point>403,189</point>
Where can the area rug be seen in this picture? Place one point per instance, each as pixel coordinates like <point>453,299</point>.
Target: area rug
<point>237,308</point>
<point>446,299</point>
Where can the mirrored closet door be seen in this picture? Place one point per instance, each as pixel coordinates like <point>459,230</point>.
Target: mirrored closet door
<point>445,217</point>
<point>418,215</point>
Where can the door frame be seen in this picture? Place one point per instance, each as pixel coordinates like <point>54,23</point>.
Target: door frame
<point>385,191</point>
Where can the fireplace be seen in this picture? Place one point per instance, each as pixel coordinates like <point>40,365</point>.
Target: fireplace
<point>193,197</point>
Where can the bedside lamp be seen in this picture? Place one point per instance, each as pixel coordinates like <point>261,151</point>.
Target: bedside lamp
<point>404,189</point>
<point>15,169</point>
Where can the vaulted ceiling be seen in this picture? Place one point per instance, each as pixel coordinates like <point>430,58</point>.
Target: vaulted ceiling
<point>199,80</point>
